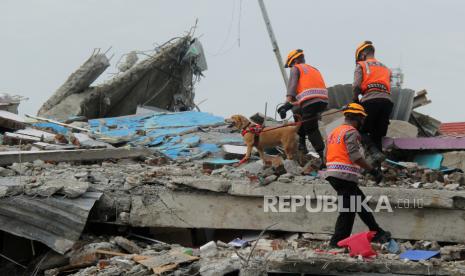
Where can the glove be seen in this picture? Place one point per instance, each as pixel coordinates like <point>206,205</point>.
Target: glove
<point>283,110</point>
<point>377,174</point>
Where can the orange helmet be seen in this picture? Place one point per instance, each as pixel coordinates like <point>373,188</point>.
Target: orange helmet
<point>292,56</point>
<point>354,108</point>
<point>362,46</point>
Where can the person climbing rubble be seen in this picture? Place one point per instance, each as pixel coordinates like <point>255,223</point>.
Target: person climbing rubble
<point>307,91</point>
<point>372,80</point>
<point>344,162</point>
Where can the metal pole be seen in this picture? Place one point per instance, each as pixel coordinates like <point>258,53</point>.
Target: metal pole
<point>274,42</point>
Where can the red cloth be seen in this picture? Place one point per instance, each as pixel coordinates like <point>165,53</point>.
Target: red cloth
<point>359,244</point>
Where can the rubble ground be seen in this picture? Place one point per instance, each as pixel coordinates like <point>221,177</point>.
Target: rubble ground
<point>121,256</point>
<point>94,158</point>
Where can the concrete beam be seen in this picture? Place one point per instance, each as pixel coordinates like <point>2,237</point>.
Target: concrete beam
<point>10,157</point>
<point>428,198</point>
<point>198,209</point>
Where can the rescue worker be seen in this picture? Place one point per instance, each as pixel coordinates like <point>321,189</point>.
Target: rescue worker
<point>372,80</point>
<point>306,95</point>
<point>344,162</point>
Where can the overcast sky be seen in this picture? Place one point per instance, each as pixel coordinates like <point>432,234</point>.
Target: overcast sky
<point>43,41</point>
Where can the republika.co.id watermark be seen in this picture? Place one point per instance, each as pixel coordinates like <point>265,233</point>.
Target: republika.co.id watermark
<point>328,204</point>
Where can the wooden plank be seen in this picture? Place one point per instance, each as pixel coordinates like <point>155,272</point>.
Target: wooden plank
<point>167,262</point>
<point>10,157</point>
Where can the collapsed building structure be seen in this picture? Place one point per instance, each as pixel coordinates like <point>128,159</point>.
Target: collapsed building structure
<point>67,189</point>
<point>165,79</point>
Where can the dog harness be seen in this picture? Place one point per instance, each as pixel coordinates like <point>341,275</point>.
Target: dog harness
<point>255,130</point>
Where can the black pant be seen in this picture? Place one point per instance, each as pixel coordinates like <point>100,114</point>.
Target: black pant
<point>310,115</point>
<point>376,123</point>
<point>345,221</point>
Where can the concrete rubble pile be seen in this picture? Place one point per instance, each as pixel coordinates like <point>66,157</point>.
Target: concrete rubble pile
<point>163,169</point>
<point>94,160</point>
<point>275,252</point>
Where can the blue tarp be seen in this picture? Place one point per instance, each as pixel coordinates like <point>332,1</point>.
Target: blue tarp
<point>54,127</point>
<point>167,132</point>
<point>170,133</point>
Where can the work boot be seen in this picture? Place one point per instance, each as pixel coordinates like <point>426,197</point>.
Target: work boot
<point>381,236</point>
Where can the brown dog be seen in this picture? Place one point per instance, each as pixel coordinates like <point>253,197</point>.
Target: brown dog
<point>285,136</point>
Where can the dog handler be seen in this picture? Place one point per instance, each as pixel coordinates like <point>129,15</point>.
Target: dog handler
<point>307,90</point>
<point>344,162</point>
<point>372,80</point>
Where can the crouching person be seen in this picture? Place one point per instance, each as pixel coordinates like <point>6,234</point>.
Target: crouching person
<point>344,162</point>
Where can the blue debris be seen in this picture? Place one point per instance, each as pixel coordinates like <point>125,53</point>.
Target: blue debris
<point>221,161</point>
<point>394,163</point>
<point>54,127</point>
<point>430,160</point>
<point>211,148</point>
<point>191,141</point>
<point>238,243</point>
<point>156,142</point>
<point>418,255</point>
<point>163,131</point>
<point>393,247</point>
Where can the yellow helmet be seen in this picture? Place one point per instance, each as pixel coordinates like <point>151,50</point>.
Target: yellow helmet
<point>354,108</point>
<point>362,46</point>
<point>292,56</point>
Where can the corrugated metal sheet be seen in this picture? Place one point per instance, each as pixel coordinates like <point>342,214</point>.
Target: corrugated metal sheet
<point>54,221</point>
<point>341,94</point>
<point>452,129</point>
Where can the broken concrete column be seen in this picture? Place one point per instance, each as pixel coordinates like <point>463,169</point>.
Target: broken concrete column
<point>153,81</point>
<point>78,81</point>
<point>401,129</point>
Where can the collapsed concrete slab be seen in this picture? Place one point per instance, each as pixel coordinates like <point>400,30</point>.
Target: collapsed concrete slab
<point>10,157</point>
<point>401,129</point>
<point>188,209</point>
<point>164,80</point>
<point>78,81</point>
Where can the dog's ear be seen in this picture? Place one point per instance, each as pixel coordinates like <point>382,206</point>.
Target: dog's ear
<point>244,121</point>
